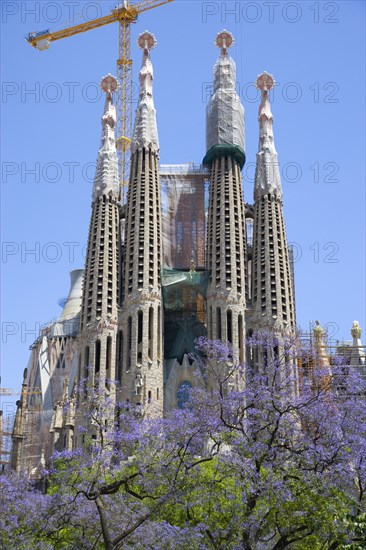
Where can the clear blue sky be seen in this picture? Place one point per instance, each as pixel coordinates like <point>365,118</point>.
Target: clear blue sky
<point>315,50</point>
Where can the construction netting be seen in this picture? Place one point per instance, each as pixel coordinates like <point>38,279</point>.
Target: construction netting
<point>184,206</point>
<point>184,192</point>
<point>184,310</point>
<point>6,428</point>
<point>225,114</point>
<point>184,293</point>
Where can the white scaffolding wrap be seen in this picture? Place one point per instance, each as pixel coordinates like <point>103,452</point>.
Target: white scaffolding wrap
<point>225,113</point>
<point>184,205</point>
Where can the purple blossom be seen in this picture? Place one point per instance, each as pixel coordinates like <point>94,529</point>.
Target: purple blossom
<point>251,462</point>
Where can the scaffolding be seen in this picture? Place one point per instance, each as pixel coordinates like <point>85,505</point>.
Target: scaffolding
<point>320,351</point>
<point>6,429</point>
<point>184,189</point>
<point>36,440</point>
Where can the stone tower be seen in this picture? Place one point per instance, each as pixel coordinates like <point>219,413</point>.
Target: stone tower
<point>99,310</point>
<point>141,348</point>
<point>273,306</point>
<point>226,240</point>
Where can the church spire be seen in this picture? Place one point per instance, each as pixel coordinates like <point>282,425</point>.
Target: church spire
<point>226,239</point>
<point>141,315</point>
<point>272,288</point>
<point>100,296</point>
<point>106,175</point>
<point>225,113</point>
<point>145,131</point>
<point>267,176</point>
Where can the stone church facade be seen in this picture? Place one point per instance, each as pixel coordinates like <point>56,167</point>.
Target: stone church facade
<point>185,257</point>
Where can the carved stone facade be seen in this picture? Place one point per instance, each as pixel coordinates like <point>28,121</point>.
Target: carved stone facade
<point>142,305</point>
<point>272,297</point>
<point>42,423</point>
<point>226,236</point>
<point>141,341</point>
<point>100,301</point>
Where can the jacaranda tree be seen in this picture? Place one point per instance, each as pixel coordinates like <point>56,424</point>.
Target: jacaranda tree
<point>268,457</point>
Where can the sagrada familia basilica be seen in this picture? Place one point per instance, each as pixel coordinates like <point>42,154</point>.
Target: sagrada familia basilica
<point>184,257</point>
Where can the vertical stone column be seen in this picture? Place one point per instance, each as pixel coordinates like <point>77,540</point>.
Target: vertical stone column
<point>273,304</point>
<point>140,336</point>
<point>99,312</point>
<point>272,284</point>
<point>226,239</point>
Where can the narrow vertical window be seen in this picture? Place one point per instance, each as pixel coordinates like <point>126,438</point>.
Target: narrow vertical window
<point>119,356</point>
<point>140,320</point>
<point>129,344</point>
<point>159,332</point>
<point>108,362</point>
<point>97,356</point>
<point>229,323</point>
<point>86,360</point>
<point>210,322</point>
<point>241,343</point>
<point>151,333</point>
<point>139,327</point>
<point>218,324</point>
<point>109,353</point>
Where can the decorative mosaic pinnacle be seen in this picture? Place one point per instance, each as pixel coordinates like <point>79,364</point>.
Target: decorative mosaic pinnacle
<point>145,131</point>
<point>267,178</point>
<point>224,40</point>
<point>225,113</point>
<point>146,41</point>
<point>109,84</point>
<point>265,82</point>
<point>106,175</point>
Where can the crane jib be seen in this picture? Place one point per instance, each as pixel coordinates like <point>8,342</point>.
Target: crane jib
<point>124,14</point>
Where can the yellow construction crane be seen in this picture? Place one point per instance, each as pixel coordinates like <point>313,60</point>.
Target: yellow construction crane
<point>124,14</point>
<point>11,391</point>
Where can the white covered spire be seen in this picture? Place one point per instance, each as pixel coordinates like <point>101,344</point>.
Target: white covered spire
<point>106,174</point>
<point>267,175</point>
<point>145,131</point>
<point>73,303</point>
<point>225,113</point>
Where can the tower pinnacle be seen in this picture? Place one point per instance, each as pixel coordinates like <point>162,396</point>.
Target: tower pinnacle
<point>273,304</point>
<point>226,240</point>
<point>224,40</point>
<point>106,175</point>
<point>141,335</point>
<point>100,297</point>
<point>145,131</point>
<point>267,177</point>
<point>225,113</point>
